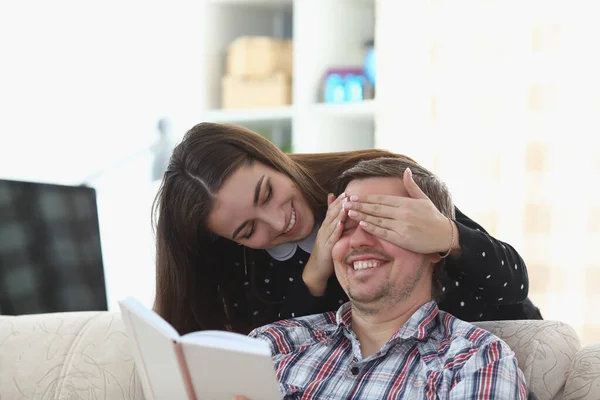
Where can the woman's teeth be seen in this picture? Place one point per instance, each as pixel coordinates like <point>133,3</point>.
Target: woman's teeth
<point>292,222</point>
<point>358,265</point>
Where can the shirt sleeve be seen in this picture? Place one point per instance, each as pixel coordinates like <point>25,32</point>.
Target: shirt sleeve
<point>491,373</point>
<point>494,269</point>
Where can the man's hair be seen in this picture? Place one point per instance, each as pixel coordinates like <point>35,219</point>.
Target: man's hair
<point>387,167</point>
<point>430,184</point>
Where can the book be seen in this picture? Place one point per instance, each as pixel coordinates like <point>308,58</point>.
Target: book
<point>205,365</point>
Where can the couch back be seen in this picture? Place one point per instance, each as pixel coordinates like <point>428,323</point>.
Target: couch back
<point>86,355</point>
<point>545,351</point>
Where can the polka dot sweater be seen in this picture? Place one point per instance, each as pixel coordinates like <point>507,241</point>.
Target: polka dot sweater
<point>487,282</point>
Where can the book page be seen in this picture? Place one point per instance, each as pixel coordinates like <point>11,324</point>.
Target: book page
<point>153,343</point>
<point>228,340</point>
<point>149,316</point>
<point>218,373</point>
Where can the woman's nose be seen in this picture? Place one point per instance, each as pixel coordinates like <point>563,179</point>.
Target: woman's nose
<point>275,218</point>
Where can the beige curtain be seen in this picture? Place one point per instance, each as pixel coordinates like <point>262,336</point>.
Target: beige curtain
<point>501,98</point>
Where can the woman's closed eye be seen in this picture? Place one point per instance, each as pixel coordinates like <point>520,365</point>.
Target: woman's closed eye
<point>268,195</point>
<point>250,232</point>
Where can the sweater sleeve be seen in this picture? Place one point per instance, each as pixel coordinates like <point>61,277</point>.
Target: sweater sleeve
<point>494,269</point>
<point>300,302</point>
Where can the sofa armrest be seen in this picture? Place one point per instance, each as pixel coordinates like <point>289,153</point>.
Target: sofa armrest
<point>583,380</point>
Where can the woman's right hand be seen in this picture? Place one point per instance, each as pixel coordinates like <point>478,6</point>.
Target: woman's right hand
<point>319,267</point>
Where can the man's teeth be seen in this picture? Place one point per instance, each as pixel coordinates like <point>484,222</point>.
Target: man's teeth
<point>292,222</point>
<point>358,265</point>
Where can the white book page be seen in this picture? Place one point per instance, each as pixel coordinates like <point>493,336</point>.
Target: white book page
<point>150,317</point>
<point>219,374</point>
<point>153,345</point>
<point>228,340</point>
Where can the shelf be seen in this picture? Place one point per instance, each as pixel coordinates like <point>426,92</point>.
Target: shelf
<point>258,3</point>
<point>251,117</point>
<point>358,110</point>
<point>275,114</point>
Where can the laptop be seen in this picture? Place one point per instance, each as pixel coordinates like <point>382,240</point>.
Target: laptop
<point>50,249</point>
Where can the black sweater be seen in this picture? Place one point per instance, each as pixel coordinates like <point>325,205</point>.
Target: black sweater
<point>487,282</point>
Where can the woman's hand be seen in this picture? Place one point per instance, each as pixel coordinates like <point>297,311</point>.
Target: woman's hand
<point>413,223</point>
<point>319,267</point>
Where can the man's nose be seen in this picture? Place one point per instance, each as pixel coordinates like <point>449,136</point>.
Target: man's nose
<point>361,238</point>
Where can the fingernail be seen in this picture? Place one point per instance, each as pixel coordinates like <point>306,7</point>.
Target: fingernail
<point>352,213</point>
<point>342,195</point>
<point>354,198</point>
<point>409,171</point>
<point>363,224</point>
<point>346,206</point>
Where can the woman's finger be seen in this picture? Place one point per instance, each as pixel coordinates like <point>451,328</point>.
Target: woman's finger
<point>383,233</point>
<point>382,199</point>
<point>334,208</point>
<point>330,225</point>
<point>377,210</point>
<point>380,222</point>
<point>330,199</point>
<point>335,234</point>
<point>414,191</point>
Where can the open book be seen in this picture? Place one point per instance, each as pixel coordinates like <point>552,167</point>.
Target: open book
<point>206,365</point>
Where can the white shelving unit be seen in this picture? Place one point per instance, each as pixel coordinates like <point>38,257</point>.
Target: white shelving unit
<point>326,34</point>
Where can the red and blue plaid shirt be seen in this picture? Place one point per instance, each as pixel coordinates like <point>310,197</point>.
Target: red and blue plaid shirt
<point>433,356</point>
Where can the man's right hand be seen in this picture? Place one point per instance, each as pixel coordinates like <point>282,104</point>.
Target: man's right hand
<point>319,267</point>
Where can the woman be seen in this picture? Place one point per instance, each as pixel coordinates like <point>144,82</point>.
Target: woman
<point>244,236</point>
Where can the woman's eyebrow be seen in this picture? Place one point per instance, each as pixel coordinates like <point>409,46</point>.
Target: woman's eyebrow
<point>257,190</point>
<point>256,196</point>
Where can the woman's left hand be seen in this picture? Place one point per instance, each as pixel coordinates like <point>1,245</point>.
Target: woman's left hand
<point>413,223</point>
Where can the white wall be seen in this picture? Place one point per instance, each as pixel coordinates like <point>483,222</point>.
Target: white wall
<point>82,85</point>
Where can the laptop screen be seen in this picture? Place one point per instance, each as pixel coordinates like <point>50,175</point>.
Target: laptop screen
<point>50,250</point>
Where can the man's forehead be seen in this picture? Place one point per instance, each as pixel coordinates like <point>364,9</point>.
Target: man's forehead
<point>376,185</point>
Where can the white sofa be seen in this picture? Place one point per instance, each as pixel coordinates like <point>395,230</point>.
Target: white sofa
<point>86,355</point>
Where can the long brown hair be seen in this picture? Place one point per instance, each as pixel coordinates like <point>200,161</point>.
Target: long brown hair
<point>190,284</point>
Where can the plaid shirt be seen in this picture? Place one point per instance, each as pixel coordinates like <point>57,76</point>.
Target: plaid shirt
<point>433,356</point>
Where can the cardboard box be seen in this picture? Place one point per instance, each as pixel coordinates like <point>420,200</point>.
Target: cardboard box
<point>259,57</point>
<point>272,91</point>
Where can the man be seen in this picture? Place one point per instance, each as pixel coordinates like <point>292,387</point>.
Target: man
<point>389,341</point>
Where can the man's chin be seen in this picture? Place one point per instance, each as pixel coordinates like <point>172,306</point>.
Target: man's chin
<point>365,299</point>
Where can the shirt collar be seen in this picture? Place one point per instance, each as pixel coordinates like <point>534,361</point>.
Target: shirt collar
<point>286,251</point>
<point>418,326</point>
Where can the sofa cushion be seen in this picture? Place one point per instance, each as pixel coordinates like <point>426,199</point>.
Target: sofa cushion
<point>82,355</point>
<point>545,351</point>
<point>583,382</point>
<point>87,356</point>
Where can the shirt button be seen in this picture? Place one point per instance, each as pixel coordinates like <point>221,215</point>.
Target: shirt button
<point>354,370</point>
